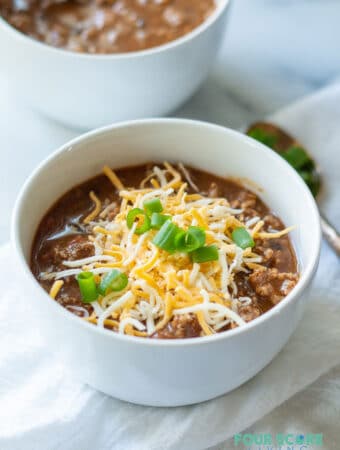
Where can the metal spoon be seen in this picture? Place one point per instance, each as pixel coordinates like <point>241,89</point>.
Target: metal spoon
<point>291,150</point>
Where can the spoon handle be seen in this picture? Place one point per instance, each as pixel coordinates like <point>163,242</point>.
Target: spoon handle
<point>330,233</point>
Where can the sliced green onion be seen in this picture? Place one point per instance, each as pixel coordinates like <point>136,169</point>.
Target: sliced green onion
<point>165,238</point>
<point>312,179</point>
<point>87,286</point>
<point>242,238</point>
<point>266,138</point>
<point>153,206</point>
<point>296,157</point>
<point>191,240</point>
<point>205,254</point>
<point>306,175</point>
<point>179,241</point>
<point>113,281</point>
<point>157,220</point>
<point>310,166</point>
<point>137,213</point>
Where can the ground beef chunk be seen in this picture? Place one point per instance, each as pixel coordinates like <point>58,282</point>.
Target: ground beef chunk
<point>181,326</point>
<point>113,212</point>
<point>249,204</point>
<point>245,200</point>
<point>268,255</point>
<point>69,302</point>
<point>276,253</point>
<point>272,284</point>
<point>71,248</point>
<point>249,312</point>
<point>213,191</point>
<point>77,248</point>
<point>272,222</point>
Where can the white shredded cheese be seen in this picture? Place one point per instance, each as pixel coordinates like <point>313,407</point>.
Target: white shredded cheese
<point>224,271</point>
<point>97,308</point>
<point>194,273</point>
<point>252,221</point>
<point>114,307</point>
<point>208,306</point>
<point>89,260</point>
<point>160,175</point>
<point>130,321</point>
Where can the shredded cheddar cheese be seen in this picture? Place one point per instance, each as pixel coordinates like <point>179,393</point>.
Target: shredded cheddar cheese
<point>113,178</point>
<point>57,285</point>
<point>274,234</point>
<point>205,327</point>
<point>97,208</point>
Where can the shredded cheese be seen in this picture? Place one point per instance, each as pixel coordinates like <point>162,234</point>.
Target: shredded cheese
<point>201,320</point>
<point>113,178</point>
<point>130,321</point>
<point>274,235</point>
<point>212,307</point>
<point>89,260</point>
<point>57,285</point>
<point>97,208</point>
<point>113,307</point>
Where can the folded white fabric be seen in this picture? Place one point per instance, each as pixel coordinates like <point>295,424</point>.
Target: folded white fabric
<point>41,407</point>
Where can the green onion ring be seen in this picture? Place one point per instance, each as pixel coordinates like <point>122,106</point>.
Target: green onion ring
<point>134,214</point>
<point>205,254</point>
<point>153,206</point>
<point>113,281</point>
<point>242,238</point>
<point>165,238</point>
<point>190,240</point>
<point>87,286</point>
<point>157,220</point>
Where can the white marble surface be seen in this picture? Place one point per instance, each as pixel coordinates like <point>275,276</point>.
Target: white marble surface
<point>275,51</point>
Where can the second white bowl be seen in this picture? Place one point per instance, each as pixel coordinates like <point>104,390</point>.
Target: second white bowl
<point>87,91</point>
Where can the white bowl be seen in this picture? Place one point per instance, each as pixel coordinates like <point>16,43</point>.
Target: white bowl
<point>169,372</point>
<point>87,91</point>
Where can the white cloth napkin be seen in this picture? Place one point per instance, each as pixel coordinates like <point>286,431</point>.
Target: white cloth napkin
<point>43,408</point>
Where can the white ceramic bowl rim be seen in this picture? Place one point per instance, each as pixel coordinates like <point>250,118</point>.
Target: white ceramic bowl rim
<point>220,7</point>
<point>309,269</point>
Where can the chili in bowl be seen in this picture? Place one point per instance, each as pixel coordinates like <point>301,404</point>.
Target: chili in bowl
<point>180,271</point>
<point>174,252</point>
<point>106,26</point>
